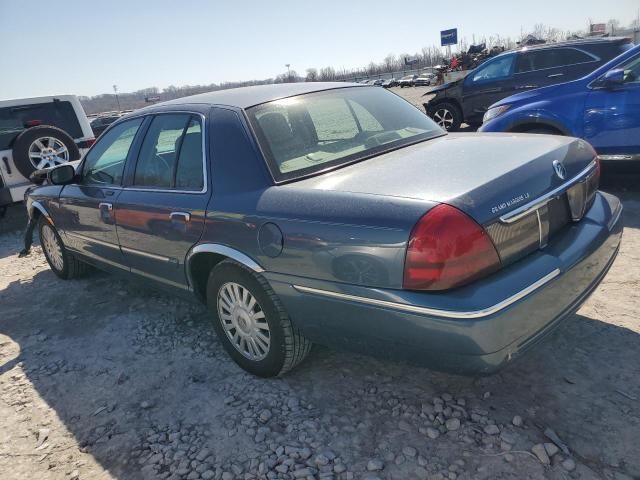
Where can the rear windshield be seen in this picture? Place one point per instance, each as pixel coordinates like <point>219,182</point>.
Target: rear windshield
<point>13,120</point>
<point>310,133</point>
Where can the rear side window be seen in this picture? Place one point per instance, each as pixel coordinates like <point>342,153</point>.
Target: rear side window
<point>58,114</point>
<point>550,58</point>
<point>104,163</point>
<point>171,155</point>
<point>571,56</point>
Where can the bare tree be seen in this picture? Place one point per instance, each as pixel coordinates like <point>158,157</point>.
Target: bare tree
<point>312,75</point>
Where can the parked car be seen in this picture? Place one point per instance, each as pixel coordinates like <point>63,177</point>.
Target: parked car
<point>466,100</point>
<point>267,203</point>
<point>424,80</point>
<point>378,82</point>
<point>602,107</point>
<point>407,81</point>
<point>101,123</point>
<point>389,83</point>
<point>38,133</point>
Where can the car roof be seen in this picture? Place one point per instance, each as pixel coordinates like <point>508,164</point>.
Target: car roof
<point>246,97</point>
<point>574,43</point>
<point>16,102</point>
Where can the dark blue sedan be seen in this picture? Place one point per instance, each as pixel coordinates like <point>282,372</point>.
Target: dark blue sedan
<point>603,108</point>
<point>338,214</point>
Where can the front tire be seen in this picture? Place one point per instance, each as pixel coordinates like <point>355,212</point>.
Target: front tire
<point>447,115</point>
<point>251,322</point>
<point>60,260</point>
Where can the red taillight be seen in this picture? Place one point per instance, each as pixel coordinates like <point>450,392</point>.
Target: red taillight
<point>86,143</point>
<point>447,249</point>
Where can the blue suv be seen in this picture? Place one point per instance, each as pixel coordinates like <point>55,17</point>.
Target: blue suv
<point>602,108</point>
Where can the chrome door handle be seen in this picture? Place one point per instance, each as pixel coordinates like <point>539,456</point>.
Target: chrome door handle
<point>186,217</point>
<point>555,75</point>
<point>107,206</point>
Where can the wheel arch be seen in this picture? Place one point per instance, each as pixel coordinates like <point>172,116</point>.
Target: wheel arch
<point>435,102</point>
<point>538,121</point>
<point>205,256</point>
<point>37,209</point>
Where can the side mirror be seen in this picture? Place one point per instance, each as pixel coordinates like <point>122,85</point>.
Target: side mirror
<point>613,78</point>
<point>62,175</point>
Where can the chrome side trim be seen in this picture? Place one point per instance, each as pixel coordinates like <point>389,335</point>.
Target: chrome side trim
<point>220,250</point>
<point>149,255</point>
<point>160,279</point>
<point>433,311</point>
<point>629,156</point>
<point>526,209</point>
<point>616,216</point>
<point>92,240</point>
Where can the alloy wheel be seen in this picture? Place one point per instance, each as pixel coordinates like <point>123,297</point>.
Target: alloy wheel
<point>444,118</point>
<point>244,321</point>
<point>48,152</point>
<point>52,247</point>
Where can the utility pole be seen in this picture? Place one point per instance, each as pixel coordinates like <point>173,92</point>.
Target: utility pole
<point>288,71</point>
<point>115,90</point>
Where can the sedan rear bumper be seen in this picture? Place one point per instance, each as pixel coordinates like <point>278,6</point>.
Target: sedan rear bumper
<point>473,329</point>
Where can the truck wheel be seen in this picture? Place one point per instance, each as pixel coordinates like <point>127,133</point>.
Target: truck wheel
<point>43,147</point>
<point>251,322</point>
<point>447,115</point>
<point>60,260</point>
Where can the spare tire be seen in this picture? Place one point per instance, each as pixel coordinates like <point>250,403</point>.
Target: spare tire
<point>43,147</point>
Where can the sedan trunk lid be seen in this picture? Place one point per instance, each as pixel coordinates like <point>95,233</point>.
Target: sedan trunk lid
<point>484,175</point>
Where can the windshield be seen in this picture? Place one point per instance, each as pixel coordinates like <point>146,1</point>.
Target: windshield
<point>310,133</point>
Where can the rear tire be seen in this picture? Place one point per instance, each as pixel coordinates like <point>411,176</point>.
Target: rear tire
<point>251,322</point>
<point>447,115</point>
<point>62,262</point>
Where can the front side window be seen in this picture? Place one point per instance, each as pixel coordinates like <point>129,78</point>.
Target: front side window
<point>171,154</point>
<point>494,70</point>
<point>632,70</point>
<point>309,133</point>
<point>104,164</point>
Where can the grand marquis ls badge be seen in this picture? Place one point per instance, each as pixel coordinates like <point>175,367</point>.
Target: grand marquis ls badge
<point>561,172</point>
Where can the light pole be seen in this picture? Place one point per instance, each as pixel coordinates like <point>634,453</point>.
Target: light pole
<point>115,89</point>
<point>288,71</point>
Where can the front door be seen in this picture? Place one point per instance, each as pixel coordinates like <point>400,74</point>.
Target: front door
<point>486,85</point>
<point>160,212</point>
<point>86,215</point>
<point>612,114</point>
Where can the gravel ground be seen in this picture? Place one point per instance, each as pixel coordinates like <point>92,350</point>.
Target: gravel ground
<point>103,378</point>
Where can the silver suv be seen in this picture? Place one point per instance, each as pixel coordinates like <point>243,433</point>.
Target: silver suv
<point>38,133</point>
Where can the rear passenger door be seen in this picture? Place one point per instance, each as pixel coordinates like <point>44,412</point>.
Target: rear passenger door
<point>160,212</point>
<point>539,68</point>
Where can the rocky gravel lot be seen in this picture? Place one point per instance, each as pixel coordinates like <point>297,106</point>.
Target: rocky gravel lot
<point>103,378</point>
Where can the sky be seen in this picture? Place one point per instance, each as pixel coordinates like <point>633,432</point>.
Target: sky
<point>84,47</point>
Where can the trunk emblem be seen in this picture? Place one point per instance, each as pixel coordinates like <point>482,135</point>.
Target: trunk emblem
<point>561,172</point>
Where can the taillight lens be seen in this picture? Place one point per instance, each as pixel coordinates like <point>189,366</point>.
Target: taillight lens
<point>86,143</point>
<point>447,249</point>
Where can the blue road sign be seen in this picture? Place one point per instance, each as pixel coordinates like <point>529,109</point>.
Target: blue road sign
<point>449,37</point>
